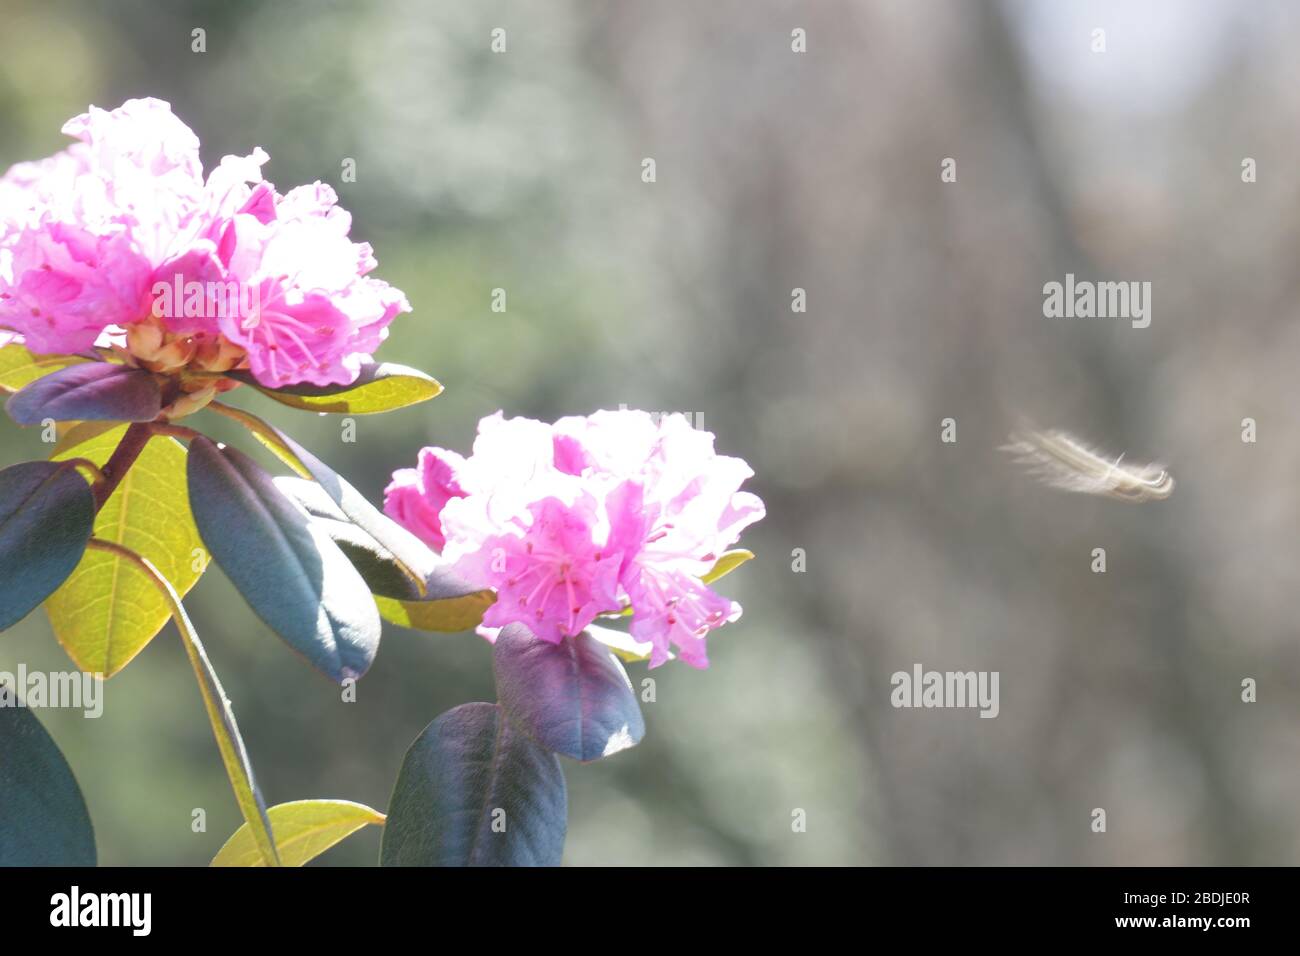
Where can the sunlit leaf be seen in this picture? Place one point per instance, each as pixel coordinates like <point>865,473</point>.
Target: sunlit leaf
<point>73,434</point>
<point>450,604</point>
<point>379,388</point>
<point>303,829</point>
<point>729,561</point>
<point>108,610</point>
<point>18,366</point>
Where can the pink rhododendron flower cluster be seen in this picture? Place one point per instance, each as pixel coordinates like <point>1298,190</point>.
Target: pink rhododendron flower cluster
<point>120,239</point>
<point>570,520</point>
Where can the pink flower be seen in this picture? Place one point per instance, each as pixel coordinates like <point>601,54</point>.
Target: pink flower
<point>571,520</point>
<point>313,314</point>
<point>673,608</point>
<point>549,572</point>
<point>416,496</point>
<point>121,226</point>
<point>59,284</point>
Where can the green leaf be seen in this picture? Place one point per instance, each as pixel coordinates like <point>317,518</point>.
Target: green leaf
<point>379,388</point>
<point>98,391</point>
<point>729,561</point>
<point>445,616</point>
<point>449,605</point>
<point>74,434</point>
<point>473,791</point>
<point>304,829</point>
<point>573,697</point>
<point>289,571</point>
<point>43,818</point>
<point>46,515</point>
<point>108,609</point>
<point>18,366</point>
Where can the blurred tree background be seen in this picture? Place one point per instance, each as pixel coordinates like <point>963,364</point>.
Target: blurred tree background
<point>777,170</point>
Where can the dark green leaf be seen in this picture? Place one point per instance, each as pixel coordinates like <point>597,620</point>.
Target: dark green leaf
<point>46,516</point>
<point>375,563</point>
<point>406,547</point>
<point>473,791</point>
<point>573,697</point>
<point>379,388</point>
<point>289,571</point>
<point>93,391</point>
<point>43,818</point>
<point>415,559</point>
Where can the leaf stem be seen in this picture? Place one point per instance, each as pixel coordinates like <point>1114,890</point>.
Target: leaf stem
<point>97,475</point>
<point>233,753</point>
<point>123,457</point>
<point>175,431</point>
<point>264,433</point>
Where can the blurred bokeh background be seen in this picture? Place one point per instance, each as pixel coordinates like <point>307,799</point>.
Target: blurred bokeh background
<point>779,170</point>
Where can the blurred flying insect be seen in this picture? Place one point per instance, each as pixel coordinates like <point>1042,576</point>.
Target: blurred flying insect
<point>1062,461</point>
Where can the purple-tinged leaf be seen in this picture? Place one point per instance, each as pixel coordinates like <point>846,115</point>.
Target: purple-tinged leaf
<point>93,391</point>
<point>474,791</point>
<point>573,697</point>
